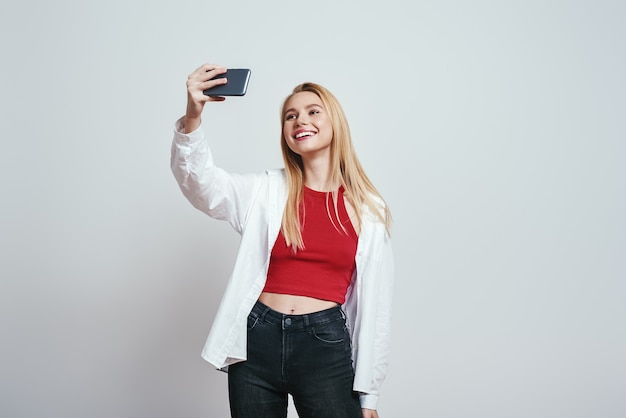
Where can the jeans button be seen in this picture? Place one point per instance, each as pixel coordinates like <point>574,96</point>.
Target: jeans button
<point>288,321</point>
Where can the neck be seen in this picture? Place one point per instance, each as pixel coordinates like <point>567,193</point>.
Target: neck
<point>317,174</point>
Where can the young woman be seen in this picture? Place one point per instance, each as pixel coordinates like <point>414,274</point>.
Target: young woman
<point>307,310</point>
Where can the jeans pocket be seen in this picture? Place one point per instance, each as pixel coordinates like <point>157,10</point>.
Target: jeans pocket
<point>331,333</point>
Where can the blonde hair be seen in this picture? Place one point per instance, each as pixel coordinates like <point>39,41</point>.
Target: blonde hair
<point>346,171</point>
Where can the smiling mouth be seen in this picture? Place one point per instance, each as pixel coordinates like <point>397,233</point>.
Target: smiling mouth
<point>305,134</point>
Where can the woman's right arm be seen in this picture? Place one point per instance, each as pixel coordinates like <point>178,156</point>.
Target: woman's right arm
<point>210,189</point>
<point>197,82</point>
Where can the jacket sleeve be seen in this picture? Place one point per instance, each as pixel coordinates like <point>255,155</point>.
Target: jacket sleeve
<point>369,308</point>
<point>209,188</point>
<point>382,305</point>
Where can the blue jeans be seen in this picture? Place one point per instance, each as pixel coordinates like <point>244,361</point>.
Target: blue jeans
<point>307,356</point>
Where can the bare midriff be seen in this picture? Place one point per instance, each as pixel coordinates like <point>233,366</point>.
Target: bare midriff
<point>294,305</point>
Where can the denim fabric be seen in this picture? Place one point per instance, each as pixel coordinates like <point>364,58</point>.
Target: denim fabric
<point>307,356</point>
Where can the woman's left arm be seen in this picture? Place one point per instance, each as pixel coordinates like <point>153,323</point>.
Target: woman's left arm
<point>373,310</point>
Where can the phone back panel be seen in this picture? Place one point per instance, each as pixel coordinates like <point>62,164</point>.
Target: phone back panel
<point>237,84</point>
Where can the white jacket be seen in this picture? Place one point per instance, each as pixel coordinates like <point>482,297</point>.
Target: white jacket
<point>253,205</point>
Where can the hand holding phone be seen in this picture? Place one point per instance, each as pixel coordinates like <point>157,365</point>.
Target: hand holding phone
<point>237,83</point>
<point>197,82</point>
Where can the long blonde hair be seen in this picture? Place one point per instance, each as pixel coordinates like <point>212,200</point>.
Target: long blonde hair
<point>345,171</point>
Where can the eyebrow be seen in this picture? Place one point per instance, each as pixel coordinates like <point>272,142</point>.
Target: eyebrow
<point>291,109</point>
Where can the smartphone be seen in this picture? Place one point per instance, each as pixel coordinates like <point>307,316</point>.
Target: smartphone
<point>236,85</point>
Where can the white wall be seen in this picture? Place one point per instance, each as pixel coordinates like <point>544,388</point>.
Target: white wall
<point>495,129</point>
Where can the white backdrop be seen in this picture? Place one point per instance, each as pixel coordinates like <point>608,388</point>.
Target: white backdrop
<point>495,130</point>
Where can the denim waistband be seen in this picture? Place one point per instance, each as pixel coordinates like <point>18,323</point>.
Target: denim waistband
<point>296,322</point>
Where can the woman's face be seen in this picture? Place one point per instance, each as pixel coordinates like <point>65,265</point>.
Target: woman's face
<point>307,127</point>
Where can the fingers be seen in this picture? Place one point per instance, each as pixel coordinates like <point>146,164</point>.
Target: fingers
<point>369,413</point>
<point>202,79</point>
<point>205,68</point>
<point>207,71</point>
<point>197,82</point>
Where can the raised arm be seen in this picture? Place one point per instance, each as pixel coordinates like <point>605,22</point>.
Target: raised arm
<point>219,194</point>
<point>197,82</point>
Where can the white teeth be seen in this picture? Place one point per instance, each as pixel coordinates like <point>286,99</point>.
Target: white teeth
<point>303,134</point>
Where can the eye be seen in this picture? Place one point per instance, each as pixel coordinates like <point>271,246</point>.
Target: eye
<point>314,112</point>
<point>290,116</point>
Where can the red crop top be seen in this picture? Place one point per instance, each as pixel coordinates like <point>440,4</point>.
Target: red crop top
<point>324,268</point>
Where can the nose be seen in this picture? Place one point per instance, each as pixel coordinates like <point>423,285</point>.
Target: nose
<point>302,119</point>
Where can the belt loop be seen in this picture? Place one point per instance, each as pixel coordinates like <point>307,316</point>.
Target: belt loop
<point>266,309</point>
<point>306,321</point>
<point>286,320</point>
